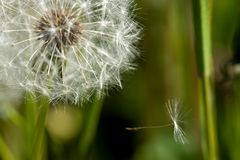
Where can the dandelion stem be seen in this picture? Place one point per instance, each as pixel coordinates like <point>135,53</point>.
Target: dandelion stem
<point>201,9</point>
<point>38,139</point>
<point>89,128</point>
<point>30,120</point>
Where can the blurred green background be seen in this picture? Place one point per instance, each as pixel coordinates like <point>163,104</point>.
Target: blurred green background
<point>166,69</point>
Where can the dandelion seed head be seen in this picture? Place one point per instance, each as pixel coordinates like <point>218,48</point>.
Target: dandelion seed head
<point>59,27</point>
<point>65,49</point>
<point>173,107</point>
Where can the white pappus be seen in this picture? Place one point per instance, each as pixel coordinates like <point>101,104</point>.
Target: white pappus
<point>174,110</point>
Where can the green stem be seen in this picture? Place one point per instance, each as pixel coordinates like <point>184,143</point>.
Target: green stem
<point>89,128</point>
<point>38,136</point>
<point>30,120</point>
<point>201,9</point>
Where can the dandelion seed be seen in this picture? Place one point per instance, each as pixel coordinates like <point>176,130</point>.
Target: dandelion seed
<point>173,107</point>
<point>64,49</point>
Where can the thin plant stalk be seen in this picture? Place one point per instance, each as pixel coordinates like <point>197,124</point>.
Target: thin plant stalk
<point>30,106</point>
<point>90,126</point>
<point>39,131</point>
<point>202,18</point>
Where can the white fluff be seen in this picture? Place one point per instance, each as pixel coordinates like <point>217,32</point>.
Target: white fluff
<point>173,107</point>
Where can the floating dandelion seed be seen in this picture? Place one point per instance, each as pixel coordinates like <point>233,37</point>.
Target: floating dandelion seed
<point>173,107</point>
<point>67,49</point>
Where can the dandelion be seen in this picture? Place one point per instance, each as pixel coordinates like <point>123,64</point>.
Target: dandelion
<point>67,49</point>
<point>173,108</point>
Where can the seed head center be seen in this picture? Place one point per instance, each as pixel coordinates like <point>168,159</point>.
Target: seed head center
<point>59,28</point>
